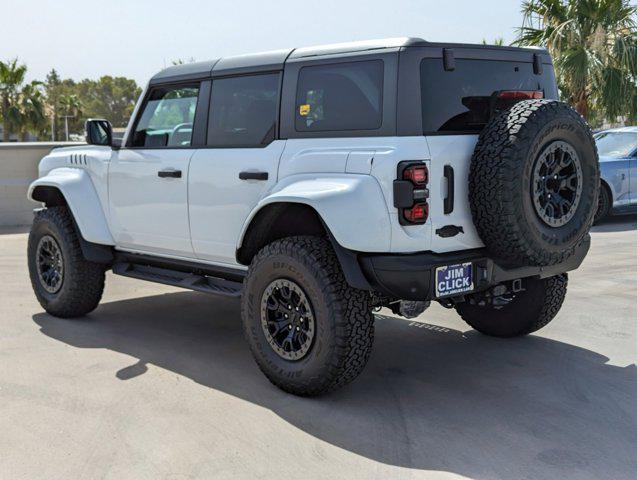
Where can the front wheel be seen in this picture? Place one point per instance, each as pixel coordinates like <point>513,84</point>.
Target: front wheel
<point>64,282</point>
<point>309,331</point>
<point>516,314</point>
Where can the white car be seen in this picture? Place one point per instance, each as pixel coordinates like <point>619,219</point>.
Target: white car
<point>320,183</point>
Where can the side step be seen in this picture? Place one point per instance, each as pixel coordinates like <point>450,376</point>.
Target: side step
<point>192,281</point>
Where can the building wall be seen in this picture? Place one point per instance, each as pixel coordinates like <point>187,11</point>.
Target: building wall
<point>18,168</point>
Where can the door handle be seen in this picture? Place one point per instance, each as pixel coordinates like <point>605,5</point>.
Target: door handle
<point>253,175</point>
<point>169,173</point>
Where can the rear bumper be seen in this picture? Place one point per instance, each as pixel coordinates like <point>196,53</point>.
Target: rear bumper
<point>412,276</point>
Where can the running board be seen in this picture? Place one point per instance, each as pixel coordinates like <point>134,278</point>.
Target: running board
<point>191,281</point>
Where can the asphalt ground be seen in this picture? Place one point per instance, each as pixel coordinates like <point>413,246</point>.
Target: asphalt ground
<point>158,383</point>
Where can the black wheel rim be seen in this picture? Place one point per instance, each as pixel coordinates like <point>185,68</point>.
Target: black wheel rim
<point>602,204</point>
<point>50,264</point>
<point>557,184</point>
<point>287,319</point>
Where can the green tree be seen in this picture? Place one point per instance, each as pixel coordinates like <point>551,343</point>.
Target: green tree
<point>32,110</point>
<point>52,91</point>
<point>499,41</point>
<point>11,78</point>
<point>71,108</point>
<point>594,47</point>
<point>56,91</point>
<point>181,61</point>
<point>112,98</point>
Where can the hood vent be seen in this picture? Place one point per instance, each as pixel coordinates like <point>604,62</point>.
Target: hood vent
<point>78,159</point>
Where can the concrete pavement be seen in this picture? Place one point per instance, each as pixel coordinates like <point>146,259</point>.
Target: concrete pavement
<point>158,383</point>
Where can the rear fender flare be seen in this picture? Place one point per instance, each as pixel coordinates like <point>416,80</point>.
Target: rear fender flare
<point>351,206</point>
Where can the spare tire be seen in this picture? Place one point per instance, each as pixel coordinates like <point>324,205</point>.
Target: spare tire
<point>533,183</point>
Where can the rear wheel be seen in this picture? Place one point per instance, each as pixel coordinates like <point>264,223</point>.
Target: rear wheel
<point>516,314</point>
<point>65,284</point>
<point>308,330</point>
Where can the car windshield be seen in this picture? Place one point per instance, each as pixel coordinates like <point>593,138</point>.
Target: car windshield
<point>616,144</point>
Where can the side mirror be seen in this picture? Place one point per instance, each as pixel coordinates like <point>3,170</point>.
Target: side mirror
<point>99,132</point>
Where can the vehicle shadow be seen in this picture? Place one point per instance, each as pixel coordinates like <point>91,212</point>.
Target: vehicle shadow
<point>431,398</point>
<point>617,223</point>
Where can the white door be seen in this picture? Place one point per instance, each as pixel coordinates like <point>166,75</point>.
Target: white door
<point>228,178</point>
<point>148,180</point>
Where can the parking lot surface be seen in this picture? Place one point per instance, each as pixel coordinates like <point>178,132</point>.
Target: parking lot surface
<point>158,383</point>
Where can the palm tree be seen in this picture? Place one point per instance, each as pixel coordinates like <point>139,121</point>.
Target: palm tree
<point>499,42</point>
<point>11,78</point>
<point>72,108</point>
<point>32,109</point>
<point>594,47</point>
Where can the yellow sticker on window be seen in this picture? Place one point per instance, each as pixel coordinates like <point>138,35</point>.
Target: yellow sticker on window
<point>304,109</point>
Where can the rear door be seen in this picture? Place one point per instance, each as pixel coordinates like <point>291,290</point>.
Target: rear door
<point>148,186</point>
<point>238,165</point>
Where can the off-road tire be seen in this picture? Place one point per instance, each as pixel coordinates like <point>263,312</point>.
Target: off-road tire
<point>344,324</point>
<point>82,282</point>
<point>500,183</point>
<point>527,312</point>
<point>604,204</point>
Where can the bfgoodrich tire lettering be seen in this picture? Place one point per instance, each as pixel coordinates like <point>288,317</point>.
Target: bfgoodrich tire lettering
<point>344,328</point>
<point>502,175</point>
<point>83,281</point>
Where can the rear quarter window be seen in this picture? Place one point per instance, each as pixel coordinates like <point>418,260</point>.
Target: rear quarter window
<point>341,96</point>
<point>457,101</point>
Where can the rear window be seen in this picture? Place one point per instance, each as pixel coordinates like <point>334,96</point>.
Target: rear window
<point>460,101</point>
<point>342,96</point>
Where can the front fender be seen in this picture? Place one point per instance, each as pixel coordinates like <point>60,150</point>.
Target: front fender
<point>352,206</point>
<point>77,188</point>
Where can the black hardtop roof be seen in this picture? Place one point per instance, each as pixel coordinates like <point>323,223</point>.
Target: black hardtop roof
<point>275,60</point>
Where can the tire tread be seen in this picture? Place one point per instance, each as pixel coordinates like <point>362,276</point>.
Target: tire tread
<point>353,319</point>
<point>83,280</point>
<point>494,188</point>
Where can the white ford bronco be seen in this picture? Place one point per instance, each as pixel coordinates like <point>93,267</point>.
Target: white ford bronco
<point>319,184</point>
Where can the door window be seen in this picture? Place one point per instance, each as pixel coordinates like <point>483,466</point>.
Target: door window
<point>342,96</point>
<point>243,111</point>
<point>167,118</point>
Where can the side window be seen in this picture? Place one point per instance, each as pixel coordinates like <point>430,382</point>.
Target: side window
<point>167,118</point>
<point>243,111</point>
<point>343,96</point>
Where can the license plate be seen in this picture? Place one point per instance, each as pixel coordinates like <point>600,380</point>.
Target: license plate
<point>454,279</point>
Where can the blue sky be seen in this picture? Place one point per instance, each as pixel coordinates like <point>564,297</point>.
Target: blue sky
<point>135,38</point>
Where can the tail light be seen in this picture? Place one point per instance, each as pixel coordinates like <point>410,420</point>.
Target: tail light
<point>417,214</point>
<point>418,174</point>
<point>411,193</point>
